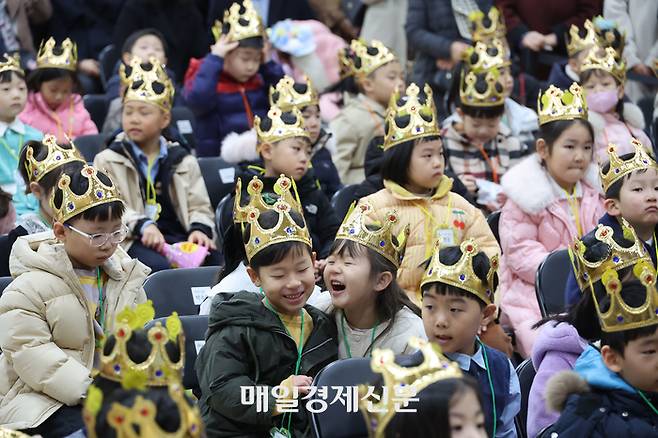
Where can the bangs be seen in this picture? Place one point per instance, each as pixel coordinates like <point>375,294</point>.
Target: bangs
<point>276,253</point>
<point>110,211</point>
<point>353,249</point>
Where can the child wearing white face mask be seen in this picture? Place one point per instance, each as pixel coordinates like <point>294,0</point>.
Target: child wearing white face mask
<point>603,76</point>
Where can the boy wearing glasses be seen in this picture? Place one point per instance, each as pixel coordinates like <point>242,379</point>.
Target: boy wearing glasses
<point>66,294</point>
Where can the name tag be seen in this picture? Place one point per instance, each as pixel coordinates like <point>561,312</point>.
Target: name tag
<point>447,236</point>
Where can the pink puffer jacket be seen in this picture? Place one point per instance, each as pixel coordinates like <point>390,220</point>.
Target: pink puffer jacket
<point>609,129</point>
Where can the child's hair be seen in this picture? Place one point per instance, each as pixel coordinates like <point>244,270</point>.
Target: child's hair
<point>6,76</point>
<point>5,203</point>
<point>40,152</point>
<point>582,316</point>
<point>615,188</point>
<point>133,37</point>
<point>449,256</point>
<point>273,254</point>
<point>79,185</point>
<point>393,298</point>
<point>480,112</point>
<point>37,77</point>
<point>396,160</point>
<point>587,74</point>
<point>431,418</point>
<point>345,85</point>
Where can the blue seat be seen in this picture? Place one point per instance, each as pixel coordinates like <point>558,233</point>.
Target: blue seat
<point>107,58</point>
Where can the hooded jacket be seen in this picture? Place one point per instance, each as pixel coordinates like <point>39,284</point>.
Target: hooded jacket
<point>47,328</point>
<point>596,402</point>
<point>247,345</point>
<point>556,349</point>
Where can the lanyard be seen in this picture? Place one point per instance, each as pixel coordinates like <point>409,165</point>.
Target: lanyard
<point>11,150</point>
<point>491,386</point>
<point>101,307</point>
<point>60,128</point>
<point>490,163</point>
<point>574,206</point>
<point>646,400</point>
<point>656,245</point>
<point>375,117</point>
<point>433,224</point>
<point>347,343</point>
<point>150,185</point>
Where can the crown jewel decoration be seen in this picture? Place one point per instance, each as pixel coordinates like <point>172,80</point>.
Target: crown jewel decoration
<point>65,56</point>
<point>482,89</point>
<point>147,82</point>
<point>576,43</point>
<point>556,104</point>
<point>620,168</point>
<point>8,433</point>
<point>421,117</point>
<point>381,239</point>
<point>286,97</point>
<point>56,156</point>
<point>605,59</point>
<point>461,274</point>
<point>279,129</point>
<point>11,63</point>
<point>73,204</point>
<point>487,27</point>
<point>241,21</point>
<point>368,58</point>
<point>285,230</point>
<point>402,382</point>
<point>482,57</point>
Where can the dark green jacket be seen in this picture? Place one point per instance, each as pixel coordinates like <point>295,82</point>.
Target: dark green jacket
<point>247,345</point>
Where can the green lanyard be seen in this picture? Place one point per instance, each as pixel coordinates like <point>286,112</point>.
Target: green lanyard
<point>11,151</point>
<point>646,400</point>
<point>300,347</point>
<point>347,343</point>
<point>493,394</point>
<point>101,298</point>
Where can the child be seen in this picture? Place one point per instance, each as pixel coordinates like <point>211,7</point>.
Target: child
<point>415,187</point>
<point>552,198</point>
<point>66,294</point>
<point>603,76</point>
<point>478,146</point>
<point>40,165</point>
<point>166,198</point>
<point>287,341</point>
<point>458,294</point>
<point>134,388</point>
<point>370,309</point>
<point>630,185</point>
<point>13,132</point>
<point>447,404</point>
<point>578,42</point>
<point>228,87</point>
<point>378,74</point>
<point>563,338</point>
<point>53,105</point>
<point>613,391</point>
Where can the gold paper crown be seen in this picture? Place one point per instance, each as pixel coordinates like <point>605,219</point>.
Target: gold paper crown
<point>381,240</point>
<point>52,56</point>
<point>11,63</point>
<point>8,433</point>
<point>56,156</point>
<point>576,43</point>
<point>368,58</point>
<point>286,97</point>
<point>422,117</point>
<point>402,382</point>
<point>605,59</point>
<point>242,21</point>
<point>73,204</point>
<point>280,130</point>
<point>345,62</point>
<point>494,29</point>
<point>148,82</point>
<point>158,369</point>
<point>285,230</point>
<point>461,274</point>
<point>620,168</point>
<point>493,93</point>
<point>556,104</point>
<point>483,57</point>
<point>618,257</point>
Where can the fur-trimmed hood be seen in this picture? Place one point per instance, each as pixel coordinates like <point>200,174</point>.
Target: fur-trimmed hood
<point>561,386</point>
<point>632,115</point>
<point>528,184</point>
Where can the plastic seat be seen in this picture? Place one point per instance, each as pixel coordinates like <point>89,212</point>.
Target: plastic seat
<point>183,119</point>
<point>526,373</point>
<point>97,106</point>
<point>4,282</point>
<point>343,199</point>
<point>550,281</point>
<point>107,58</point>
<point>219,177</point>
<point>90,145</point>
<point>493,220</point>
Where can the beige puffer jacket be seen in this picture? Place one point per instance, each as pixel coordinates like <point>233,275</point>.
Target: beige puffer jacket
<point>46,328</point>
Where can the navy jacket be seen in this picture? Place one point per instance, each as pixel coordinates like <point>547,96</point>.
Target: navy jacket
<point>324,168</point>
<point>218,100</point>
<point>558,76</point>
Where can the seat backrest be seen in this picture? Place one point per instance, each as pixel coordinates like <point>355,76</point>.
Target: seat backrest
<point>90,145</point>
<point>343,199</point>
<point>493,220</point>
<point>107,58</point>
<point>194,327</point>
<point>97,106</point>
<point>219,177</point>
<point>221,218</point>
<point>550,282</point>
<point>183,119</point>
<point>180,290</point>
<point>4,282</point>
<point>335,421</point>
<point>526,373</point>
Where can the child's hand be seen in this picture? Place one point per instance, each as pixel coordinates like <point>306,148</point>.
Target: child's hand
<point>223,46</point>
<point>90,67</point>
<point>319,269</point>
<point>201,239</point>
<point>469,182</point>
<point>302,383</point>
<point>153,238</point>
<point>533,40</point>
